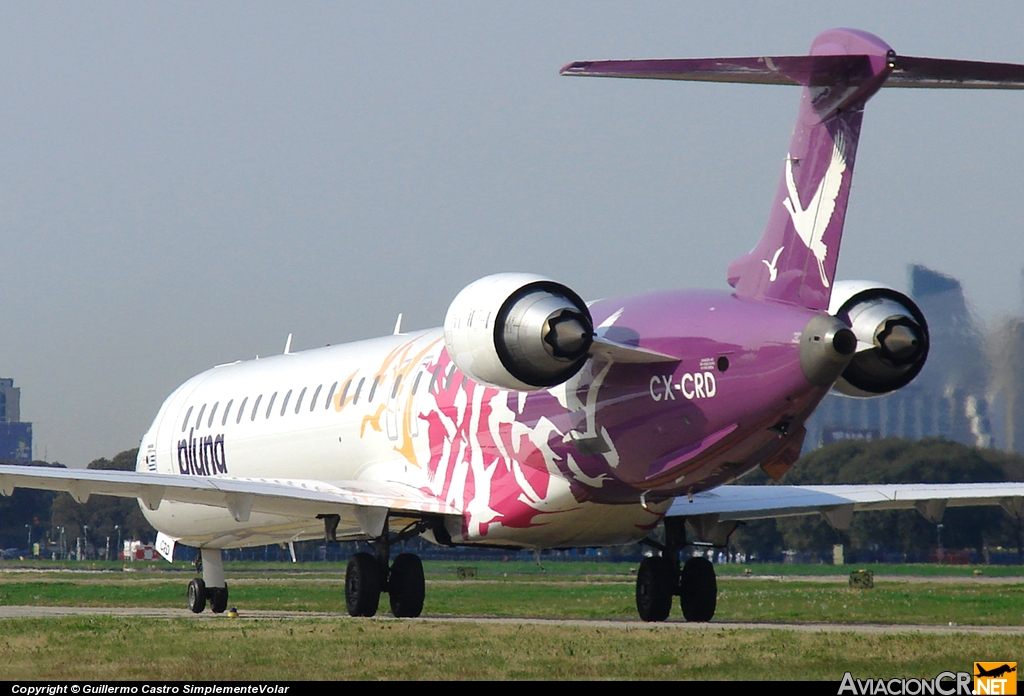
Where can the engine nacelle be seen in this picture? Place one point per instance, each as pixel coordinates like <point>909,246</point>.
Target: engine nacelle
<point>892,338</point>
<point>518,331</point>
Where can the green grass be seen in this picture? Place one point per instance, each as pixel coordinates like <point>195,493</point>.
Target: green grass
<point>888,603</point>
<point>106,648</point>
<point>797,599</point>
<point>338,647</point>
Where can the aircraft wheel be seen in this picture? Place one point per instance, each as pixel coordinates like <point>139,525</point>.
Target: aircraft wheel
<point>197,596</point>
<point>406,586</point>
<point>655,584</point>
<point>362,585</point>
<point>218,599</point>
<point>698,590</point>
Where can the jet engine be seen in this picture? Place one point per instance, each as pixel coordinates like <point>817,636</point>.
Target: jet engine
<point>518,331</point>
<point>892,338</point>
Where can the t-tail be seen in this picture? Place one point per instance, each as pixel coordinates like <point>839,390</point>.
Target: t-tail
<point>795,260</point>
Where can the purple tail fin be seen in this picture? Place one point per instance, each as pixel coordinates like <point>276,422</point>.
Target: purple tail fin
<point>795,260</point>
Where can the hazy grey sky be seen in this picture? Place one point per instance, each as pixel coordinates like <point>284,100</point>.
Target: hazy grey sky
<point>183,184</point>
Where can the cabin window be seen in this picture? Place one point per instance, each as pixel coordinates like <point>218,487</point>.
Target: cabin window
<point>373,388</point>
<point>359,388</point>
<point>448,380</point>
<point>199,418</point>
<point>416,384</point>
<point>434,378</point>
<point>227,411</point>
<point>213,412</point>
<point>312,402</point>
<point>188,414</point>
<point>270,406</point>
<point>330,396</point>
<point>344,392</point>
<point>284,404</point>
<point>394,389</point>
<point>298,404</point>
<point>256,407</point>
<point>241,411</point>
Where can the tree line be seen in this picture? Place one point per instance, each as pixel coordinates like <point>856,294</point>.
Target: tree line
<point>891,534</point>
<point>30,516</point>
<point>57,522</point>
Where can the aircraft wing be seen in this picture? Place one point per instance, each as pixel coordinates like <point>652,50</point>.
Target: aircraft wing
<point>716,512</point>
<point>241,496</point>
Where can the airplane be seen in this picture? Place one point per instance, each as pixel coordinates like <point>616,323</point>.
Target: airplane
<point>995,671</point>
<point>534,420</point>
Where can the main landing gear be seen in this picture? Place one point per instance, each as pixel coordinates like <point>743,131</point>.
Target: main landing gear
<point>659,579</point>
<point>368,575</point>
<point>365,580</point>
<point>211,587</point>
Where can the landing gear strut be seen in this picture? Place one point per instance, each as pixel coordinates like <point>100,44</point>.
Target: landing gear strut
<point>211,587</point>
<point>659,579</point>
<point>368,575</point>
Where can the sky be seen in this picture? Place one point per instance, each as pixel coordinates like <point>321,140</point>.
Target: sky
<point>185,184</point>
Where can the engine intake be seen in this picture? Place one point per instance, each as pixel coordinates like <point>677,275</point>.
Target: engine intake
<point>892,338</point>
<point>518,331</point>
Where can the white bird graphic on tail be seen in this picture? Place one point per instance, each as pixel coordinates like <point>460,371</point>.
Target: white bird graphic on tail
<point>811,222</point>
<point>773,271</point>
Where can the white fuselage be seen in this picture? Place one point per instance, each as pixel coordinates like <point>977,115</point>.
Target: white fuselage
<point>391,409</point>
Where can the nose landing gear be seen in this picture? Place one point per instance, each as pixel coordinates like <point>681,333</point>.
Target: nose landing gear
<point>211,587</point>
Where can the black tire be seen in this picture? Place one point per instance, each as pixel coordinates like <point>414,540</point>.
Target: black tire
<point>656,582</point>
<point>406,587</point>
<point>197,596</point>
<point>698,590</point>
<point>218,599</point>
<point>362,585</point>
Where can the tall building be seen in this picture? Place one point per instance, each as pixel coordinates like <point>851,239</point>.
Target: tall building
<point>10,401</point>
<point>948,399</point>
<point>15,436</point>
<point>1007,381</point>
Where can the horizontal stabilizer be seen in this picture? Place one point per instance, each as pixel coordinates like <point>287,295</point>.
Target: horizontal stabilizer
<point>945,73</point>
<point>777,70</point>
<point>906,71</point>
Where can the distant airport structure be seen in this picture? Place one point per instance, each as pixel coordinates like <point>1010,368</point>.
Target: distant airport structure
<point>971,390</point>
<point>15,436</point>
